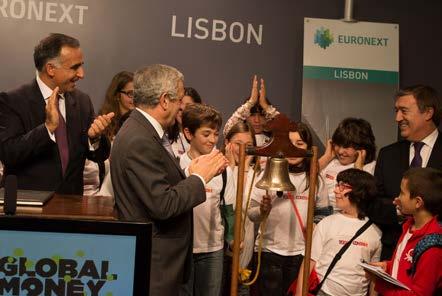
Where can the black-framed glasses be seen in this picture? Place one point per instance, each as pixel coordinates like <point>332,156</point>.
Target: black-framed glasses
<point>129,93</point>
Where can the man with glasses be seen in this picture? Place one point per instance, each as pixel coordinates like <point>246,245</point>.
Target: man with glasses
<point>48,127</point>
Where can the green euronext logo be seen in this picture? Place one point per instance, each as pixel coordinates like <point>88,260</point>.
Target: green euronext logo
<point>323,37</point>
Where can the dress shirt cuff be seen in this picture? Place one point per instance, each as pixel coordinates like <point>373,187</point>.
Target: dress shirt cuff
<point>186,172</point>
<point>201,178</point>
<point>93,144</point>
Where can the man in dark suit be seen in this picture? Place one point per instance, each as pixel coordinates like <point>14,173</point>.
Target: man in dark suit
<point>418,114</point>
<point>148,182</point>
<point>48,127</point>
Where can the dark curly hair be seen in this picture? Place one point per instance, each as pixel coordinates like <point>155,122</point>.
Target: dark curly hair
<point>356,133</point>
<point>363,189</point>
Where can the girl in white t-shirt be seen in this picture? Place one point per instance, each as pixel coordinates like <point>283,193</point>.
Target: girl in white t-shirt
<point>282,236</point>
<point>240,133</point>
<point>354,191</point>
<point>352,146</point>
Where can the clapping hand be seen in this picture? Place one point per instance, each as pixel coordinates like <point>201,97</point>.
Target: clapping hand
<point>52,117</point>
<point>99,125</point>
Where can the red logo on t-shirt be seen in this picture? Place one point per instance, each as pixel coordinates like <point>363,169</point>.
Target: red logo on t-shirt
<point>355,242</point>
<point>329,177</point>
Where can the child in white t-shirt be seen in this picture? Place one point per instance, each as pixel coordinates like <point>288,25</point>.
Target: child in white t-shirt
<point>201,124</point>
<point>352,146</point>
<point>354,191</point>
<point>282,237</point>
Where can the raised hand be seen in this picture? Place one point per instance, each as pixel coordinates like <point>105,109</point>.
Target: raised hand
<point>254,93</point>
<point>99,125</point>
<point>229,155</point>
<point>52,117</point>
<point>359,163</point>
<point>328,155</point>
<point>262,96</point>
<point>209,165</point>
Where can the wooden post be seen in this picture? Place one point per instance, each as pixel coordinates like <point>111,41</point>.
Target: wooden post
<point>309,230</point>
<point>237,226</point>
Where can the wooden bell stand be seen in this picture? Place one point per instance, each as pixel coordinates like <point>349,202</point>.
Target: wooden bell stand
<point>279,146</point>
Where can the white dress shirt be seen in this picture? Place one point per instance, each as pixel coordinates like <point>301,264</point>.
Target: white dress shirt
<point>429,142</point>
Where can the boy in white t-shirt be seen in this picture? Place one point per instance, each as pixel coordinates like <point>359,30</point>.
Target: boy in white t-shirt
<point>354,192</point>
<point>201,124</point>
<point>352,146</point>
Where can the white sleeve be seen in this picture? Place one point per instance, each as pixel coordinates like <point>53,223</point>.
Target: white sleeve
<point>322,195</point>
<point>369,167</point>
<point>317,242</point>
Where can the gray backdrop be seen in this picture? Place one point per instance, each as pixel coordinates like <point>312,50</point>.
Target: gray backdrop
<point>124,35</point>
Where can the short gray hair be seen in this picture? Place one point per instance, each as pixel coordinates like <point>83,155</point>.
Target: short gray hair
<point>152,81</point>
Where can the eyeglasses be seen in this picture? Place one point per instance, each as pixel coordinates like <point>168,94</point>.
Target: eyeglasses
<point>342,186</point>
<point>129,93</point>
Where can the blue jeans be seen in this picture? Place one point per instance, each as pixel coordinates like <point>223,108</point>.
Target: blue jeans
<point>206,274</point>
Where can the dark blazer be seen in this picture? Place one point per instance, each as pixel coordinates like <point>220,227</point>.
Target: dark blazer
<point>391,164</point>
<point>27,150</point>
<point>149,185</point>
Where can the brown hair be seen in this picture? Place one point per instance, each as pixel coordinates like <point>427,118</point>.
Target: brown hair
<point>198,115</point>
<point>426,183</point>
<point>243,127</point>
<point>111,100</point>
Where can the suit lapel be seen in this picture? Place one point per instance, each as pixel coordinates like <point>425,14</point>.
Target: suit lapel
<point>435,160</point>
<point>73,123</point>
<point>143,120</point>
<point>37,105</point>
<point>404,157</point>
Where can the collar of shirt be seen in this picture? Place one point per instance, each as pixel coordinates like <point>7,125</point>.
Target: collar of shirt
<point>429,140</point>
<point>156,125</point>
<point>46,92</point>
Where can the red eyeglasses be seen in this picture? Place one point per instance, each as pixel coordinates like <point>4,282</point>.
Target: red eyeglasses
<point>342,186</point>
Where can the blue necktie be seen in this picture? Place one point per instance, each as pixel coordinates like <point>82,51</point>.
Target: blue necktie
<point>417,159</point>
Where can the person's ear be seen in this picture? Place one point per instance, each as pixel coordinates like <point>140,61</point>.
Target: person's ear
<point>419,202</point>
<point>429,113</point>
<point>50,68</point>
<point>187,134</point>
<point>164,101</point>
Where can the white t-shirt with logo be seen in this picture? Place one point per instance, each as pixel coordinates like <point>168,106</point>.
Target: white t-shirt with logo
<point>208,233</point>
<point>329,236</point>
<point>282,234</point>
<point>331,171</point>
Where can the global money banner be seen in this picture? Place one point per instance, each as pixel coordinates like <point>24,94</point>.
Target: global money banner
<point>350,70</point>
<point>44,263</point>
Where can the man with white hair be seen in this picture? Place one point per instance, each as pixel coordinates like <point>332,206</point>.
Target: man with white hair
<point>148,182</point>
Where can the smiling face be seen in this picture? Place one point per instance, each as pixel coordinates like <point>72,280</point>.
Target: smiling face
<point>202,141</point>
<point>345,156</point>
<point>341,193</point>
<point>67,69</point>
<point>240,138</point>
<point>414,125</point>
<point>298,142</point>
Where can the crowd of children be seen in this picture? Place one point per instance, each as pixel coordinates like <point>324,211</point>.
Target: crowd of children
<point>273,231</point>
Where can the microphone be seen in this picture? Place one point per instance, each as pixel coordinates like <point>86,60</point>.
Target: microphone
<point>10,198</point>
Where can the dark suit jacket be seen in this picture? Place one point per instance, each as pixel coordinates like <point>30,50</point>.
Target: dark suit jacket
<point>391,164</point>
<point>27,150</point>
<point>149,185</point>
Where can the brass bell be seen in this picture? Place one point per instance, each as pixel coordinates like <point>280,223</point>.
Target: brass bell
<point>276,176</point>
